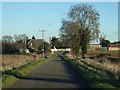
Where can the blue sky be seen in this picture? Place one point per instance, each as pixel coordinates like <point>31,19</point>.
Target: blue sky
<point>27,18</point>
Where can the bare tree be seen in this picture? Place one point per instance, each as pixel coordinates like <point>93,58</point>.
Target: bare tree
<point>20,37</point>
<point>20,41</point>
<point>7,39</point>
<point>81,27</point>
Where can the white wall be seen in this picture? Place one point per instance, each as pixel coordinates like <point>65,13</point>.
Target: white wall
<point>55,50</point>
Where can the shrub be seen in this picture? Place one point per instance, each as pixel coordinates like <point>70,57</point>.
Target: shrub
<point>9,48</point>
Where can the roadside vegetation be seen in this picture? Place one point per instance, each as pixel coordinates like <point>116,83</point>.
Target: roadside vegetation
<point>10,76</point>
<point>99,68</point>
<point>10,61</point>
<point>17,59</point>
<point>80,28</point>
<point>97,75</point>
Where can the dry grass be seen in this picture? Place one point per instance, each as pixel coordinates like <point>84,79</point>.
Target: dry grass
<point>114,53</point>
<point>107,65</point>
<point>12,61</point>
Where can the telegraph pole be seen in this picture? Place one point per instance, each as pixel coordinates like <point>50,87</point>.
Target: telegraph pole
<point>42,31</point>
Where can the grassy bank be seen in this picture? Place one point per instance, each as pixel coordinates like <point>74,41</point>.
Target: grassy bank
<point>93,77</point>
<point>10,76</point>
<point>17,60</point>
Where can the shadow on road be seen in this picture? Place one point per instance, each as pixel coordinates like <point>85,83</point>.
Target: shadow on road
<point>49,79</point>
<point>72,75</point>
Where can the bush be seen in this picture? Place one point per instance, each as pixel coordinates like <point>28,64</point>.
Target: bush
<point>9,48</point>
<point>39,50</point>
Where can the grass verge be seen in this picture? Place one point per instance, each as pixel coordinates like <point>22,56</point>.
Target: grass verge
<point>94,78</point>
<point>10,76</point>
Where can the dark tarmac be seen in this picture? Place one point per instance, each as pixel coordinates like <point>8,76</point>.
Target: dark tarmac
<point>53,74</point>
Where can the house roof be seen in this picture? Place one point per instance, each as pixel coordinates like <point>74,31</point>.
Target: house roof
<point>36,41</point>
<point>115,44</point>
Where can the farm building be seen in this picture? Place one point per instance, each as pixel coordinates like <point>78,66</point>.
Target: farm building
<point>114,46</point>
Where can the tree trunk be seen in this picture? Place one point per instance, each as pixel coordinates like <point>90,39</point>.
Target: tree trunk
<point>84,51</point>
<point>83,54</point>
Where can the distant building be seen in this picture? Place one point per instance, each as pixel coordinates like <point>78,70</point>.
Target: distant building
<point>60,49</point>
<point>33,45</point>
<point>111,46</point>
<point>114,46</point>
<point>95,46</point>
<point>104,44</point>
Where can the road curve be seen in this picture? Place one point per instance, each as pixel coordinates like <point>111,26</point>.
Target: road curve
<point>53,74</point>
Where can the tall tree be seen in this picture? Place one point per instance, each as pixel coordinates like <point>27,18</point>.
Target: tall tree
<point>46,46</point>
<point>20,41</point>
<point>81,27</point>
<point>8,45</point>
<point>55,42</point>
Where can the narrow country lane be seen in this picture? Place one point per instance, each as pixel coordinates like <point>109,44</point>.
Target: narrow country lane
<point>53,74</point>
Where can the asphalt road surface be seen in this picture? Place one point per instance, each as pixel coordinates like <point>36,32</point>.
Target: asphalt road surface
<point>53,74</point>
